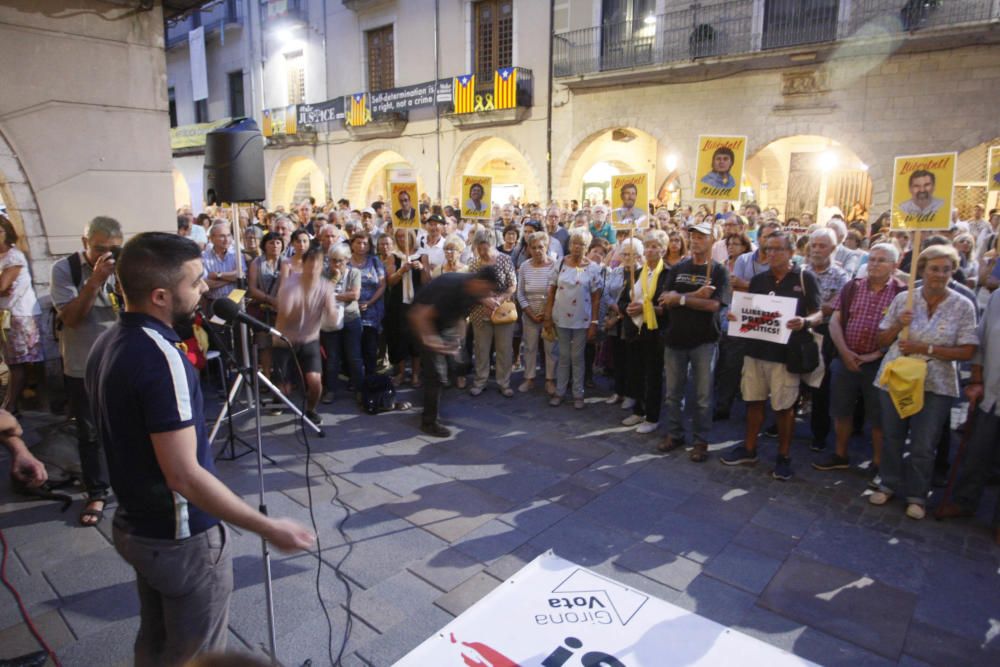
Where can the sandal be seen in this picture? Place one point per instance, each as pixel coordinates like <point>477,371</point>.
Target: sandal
<point>89,513</point>
<point>460,382</point>
<point>700,452</point>
<point>669,444</point>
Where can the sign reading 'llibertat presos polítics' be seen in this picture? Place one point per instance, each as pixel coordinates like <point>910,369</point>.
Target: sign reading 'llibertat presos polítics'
<point>558,614</point>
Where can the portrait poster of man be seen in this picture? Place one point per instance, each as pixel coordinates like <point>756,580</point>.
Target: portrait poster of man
<point>476,196</point>
<point>629,200</point>
<point>922,191</point>
<point>993,169</point>
<point>404,205</point>
<point>719,167</point>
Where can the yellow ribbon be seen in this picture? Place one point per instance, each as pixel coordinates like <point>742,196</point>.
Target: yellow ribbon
<point>648,287</point>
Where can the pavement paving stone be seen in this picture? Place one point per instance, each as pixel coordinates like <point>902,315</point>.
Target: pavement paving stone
<point>630,509</point>
<point>534,516</point>
<point>508,565</point>
<point>659,565</point>
<point>518,481</point>
<point>743,567</point>
<point>104,568</point>
<point>16,639</point>
<point>685,536</point>
<point>715,600</point>
<point>393,600</point>
<point>379,557</point>
<point>842,603</point>
<point>467,593</point>
<point>446,569</point>
<point>568,493</point>
<point>781,518</point>
<point>112,645</point>
<point>582,541</point>
<point>727,510</point>
<point>490,541</point>
<point>765,541</point>
<point>37,595</point>
<point>555,458</point>
<point>961,597</point>
<point>48,549</point>
<point>388,647</point>
<point>935,646</point>
<point>88,612</point>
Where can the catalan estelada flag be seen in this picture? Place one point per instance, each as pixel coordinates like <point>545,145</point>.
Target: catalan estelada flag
<point>359,109</point>
<point>505,88</point>
<point>464,93</point>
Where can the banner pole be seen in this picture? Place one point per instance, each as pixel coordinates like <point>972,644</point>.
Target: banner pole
<point>905,334</point>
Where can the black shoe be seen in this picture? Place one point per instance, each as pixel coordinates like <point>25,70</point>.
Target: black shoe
<point>782,469</point>
<point>435,429</point>
<point>771,431</point>
<point>818,445</point>
<point>312,416</point>
<point>720,415</point>
<point>832,462</point>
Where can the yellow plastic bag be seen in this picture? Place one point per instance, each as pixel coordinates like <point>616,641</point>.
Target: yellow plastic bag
<point>904,378</point>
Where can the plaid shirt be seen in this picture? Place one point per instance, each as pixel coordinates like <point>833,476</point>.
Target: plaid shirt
<point>867,310</point>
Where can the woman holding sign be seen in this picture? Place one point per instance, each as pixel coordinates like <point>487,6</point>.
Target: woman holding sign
<point>942,330</point>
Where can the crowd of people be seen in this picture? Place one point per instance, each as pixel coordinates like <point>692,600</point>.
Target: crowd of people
<point>574,296</point>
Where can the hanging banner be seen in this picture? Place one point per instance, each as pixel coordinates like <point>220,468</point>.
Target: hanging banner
<point>193,136</point>
<point>629,200</point>
<point>402,197</point>
<point>922,191</point>
<point>993,169</point>
<point>324,112</point>
<point>761,316</point>
<point>558,614</point>
<point>199,70</point>
<point>719,167</point>
<point>403,99</point>
<point>476,197</point>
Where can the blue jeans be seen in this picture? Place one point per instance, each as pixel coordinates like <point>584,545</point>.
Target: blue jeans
<point>347,341</point>
<point>978,463</point>
<point>911,476</point>
<point>701,360</point>
<point>571,349</point>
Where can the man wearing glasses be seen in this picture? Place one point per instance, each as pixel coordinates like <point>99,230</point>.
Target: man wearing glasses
<point>764,372</point>
<point>558,236</point>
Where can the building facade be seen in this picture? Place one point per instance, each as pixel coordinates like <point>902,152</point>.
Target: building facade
<point>827,92</point>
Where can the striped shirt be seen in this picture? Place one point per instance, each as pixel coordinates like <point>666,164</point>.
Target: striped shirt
<point>533,285</point>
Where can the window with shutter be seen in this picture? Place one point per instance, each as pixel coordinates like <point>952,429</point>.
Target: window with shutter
<point>381,74</point>
<point>492,39</point>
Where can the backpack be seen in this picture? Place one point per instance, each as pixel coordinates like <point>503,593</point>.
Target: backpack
<point>378,394</point>
<point>76,275</point>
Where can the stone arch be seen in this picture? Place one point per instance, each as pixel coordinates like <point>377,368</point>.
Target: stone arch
<point>467,154</point>
<point>287,174</point>
<point>565,165</point>
<point>22,210</point>
<point>364,167</point>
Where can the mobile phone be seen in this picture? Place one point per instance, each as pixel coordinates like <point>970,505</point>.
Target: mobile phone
<point>116,252</point>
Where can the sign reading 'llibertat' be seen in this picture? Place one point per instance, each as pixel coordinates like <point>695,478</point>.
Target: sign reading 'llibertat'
<point>761,316</point>
<point>558,614</point>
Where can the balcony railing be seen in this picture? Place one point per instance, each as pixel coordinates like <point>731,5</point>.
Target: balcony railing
<point>741,27</point>
<point>281,11</point>
<point>216,17</point>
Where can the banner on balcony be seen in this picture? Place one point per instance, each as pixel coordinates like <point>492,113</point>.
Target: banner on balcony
<point>360,114</point>
<point>282,120</point>
<point>193,136</point>
<point>719,167</point>
<point>477,194</point>
<point>464,93</point>
<point>558,614</point>
<point>324,112</point>
<point>505,88</point>
<point>403,197</point>
<point>629,200</point>
<point>922,191</point>
<point>993,169</point>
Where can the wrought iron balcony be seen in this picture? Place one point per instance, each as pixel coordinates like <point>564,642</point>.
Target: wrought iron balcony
<point>741,27</point>
<point>217,17</point>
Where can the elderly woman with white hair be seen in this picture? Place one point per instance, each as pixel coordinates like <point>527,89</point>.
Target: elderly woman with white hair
<point>629,258</point>
<point>572,306</point>
<point>491,327</point>
<point>532,292</point>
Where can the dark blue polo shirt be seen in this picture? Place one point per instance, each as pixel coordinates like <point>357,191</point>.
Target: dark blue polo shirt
<point>140,382</point>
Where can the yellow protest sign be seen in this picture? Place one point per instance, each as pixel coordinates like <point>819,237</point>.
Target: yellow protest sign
<point>922,191</point>
<point>402,197</point>
<point>719,167</point>
<point>993,169</point>
<point>476,196</point>
<point>629,200</point>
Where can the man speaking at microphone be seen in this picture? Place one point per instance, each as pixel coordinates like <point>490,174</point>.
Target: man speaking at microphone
<point>148,409</point>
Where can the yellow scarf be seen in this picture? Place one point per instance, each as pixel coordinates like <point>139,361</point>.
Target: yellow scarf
<point>649,281</point>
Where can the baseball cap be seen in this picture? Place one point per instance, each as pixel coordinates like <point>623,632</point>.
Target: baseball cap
<point>435,218</point>
<point>702,228</point>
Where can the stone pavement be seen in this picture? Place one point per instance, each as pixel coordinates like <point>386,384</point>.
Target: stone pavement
<point>434,525</point>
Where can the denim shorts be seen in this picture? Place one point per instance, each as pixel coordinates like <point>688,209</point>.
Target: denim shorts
<point>847,387</point>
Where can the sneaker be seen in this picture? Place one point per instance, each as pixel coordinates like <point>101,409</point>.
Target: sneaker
<point>314,417</point>
<point>782,469</point>
<point>832,462</point>
<point>879,498</point>
<point>628,404</point>
<point>632,420</point>
<point>475,391</point>
<point>818,445</point>
<point>327,397</point>
<point>771,431</point>
<point>277,409</point>
<point>507,391</point>
<point>578,403</point>
<point>647,427</point>
<point>915,511</point>
<point>526,386</point>
<point>739,455</point>
<point>555,401</point>
<point>436,430</point>
<point>612,399</point>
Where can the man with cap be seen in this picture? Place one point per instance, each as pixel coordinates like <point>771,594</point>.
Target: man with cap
<point>696,291</point>
<point>432,245</point>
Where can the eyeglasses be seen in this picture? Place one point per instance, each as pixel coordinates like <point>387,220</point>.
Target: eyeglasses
<point>775,249</point>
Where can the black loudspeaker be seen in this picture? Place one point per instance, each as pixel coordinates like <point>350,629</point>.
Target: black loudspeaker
<point>234,163</point>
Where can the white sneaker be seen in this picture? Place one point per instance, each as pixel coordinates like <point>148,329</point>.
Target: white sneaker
<point>879,498</point>
<point>632,420</point>
<point>612,399</point>
<point>915,511</point>
<point>647,427</point>
<point>628,404</point>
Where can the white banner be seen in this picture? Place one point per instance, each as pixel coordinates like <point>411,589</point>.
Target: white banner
<point>761,316</point>
<point>558,614</point>
<point>199,71</point>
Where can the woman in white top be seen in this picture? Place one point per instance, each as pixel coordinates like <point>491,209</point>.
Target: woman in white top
<point>532,290</point>
<point>22,340</point>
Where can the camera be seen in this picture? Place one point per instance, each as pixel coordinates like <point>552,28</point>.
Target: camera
<point>116,252</point>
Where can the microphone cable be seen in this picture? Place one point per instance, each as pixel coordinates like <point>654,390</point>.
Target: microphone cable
<point>303,436</point>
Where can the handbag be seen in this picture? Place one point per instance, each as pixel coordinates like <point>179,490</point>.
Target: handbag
<point>803,352</point>
<point>505,313</point>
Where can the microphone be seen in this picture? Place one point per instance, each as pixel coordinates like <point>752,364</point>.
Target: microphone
<point>229,312</point>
